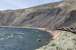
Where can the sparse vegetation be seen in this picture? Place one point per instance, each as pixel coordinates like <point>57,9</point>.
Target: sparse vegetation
<point>67,44</point>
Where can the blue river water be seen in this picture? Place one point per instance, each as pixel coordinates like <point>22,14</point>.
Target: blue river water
<point>22,38</point>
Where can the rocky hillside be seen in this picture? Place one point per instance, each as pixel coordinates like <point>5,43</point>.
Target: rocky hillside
<point>39,16</point>
<point>50,16</point>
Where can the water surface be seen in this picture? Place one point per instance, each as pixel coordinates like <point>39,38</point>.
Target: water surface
<point>22,38</point>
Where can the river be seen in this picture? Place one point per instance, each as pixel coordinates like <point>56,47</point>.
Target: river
<point>22,38</point>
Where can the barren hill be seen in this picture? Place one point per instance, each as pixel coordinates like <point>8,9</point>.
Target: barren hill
<point>49,16</point>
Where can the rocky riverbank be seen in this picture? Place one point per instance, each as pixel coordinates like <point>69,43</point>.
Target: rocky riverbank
<point>66,41</point>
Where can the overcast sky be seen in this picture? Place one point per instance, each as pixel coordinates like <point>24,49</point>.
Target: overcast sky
<point>16,4</point>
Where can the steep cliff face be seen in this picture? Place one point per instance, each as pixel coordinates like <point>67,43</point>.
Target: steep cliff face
<point>49,16</point>
<point>39,16</point>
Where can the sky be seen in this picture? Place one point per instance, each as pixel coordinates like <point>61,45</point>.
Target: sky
<point>18,4</point>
